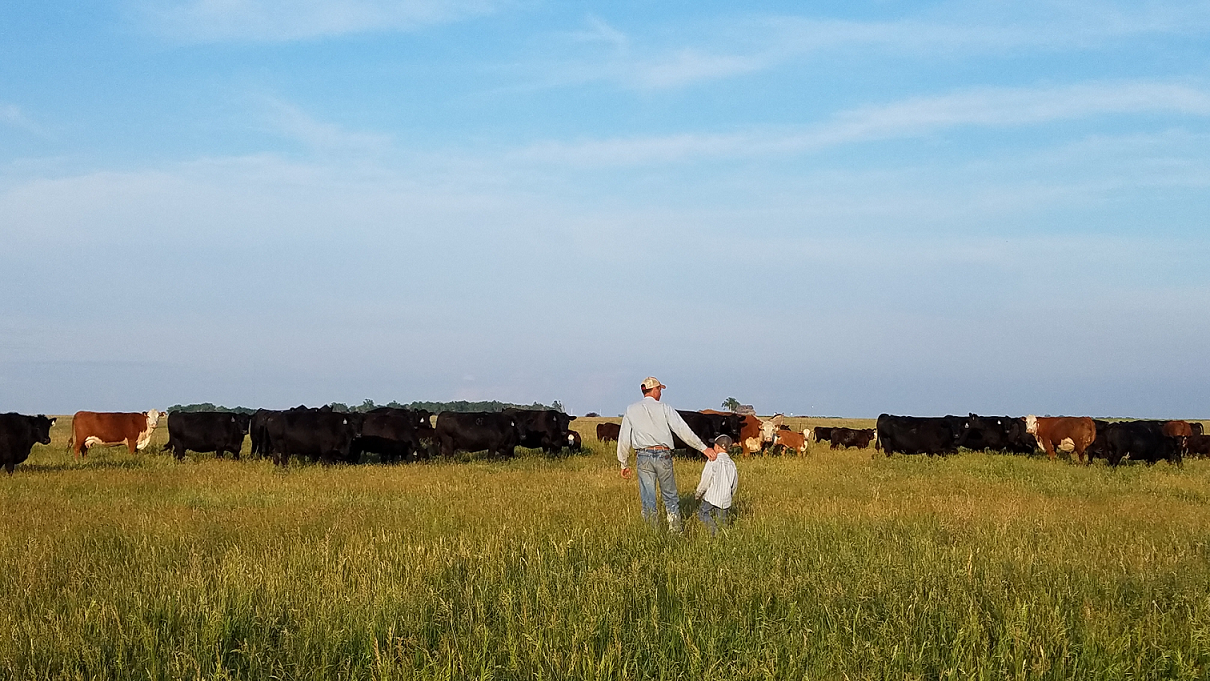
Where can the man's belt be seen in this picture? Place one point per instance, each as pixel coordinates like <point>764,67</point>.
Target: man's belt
<point>659,448</point>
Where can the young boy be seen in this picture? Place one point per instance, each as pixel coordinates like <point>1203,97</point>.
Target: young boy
<point>719,479</point>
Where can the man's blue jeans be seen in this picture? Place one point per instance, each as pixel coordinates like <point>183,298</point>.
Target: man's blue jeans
<point>707,511</point>
<point>655,465</point>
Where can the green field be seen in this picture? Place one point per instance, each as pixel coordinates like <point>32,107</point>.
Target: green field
<point>840,565</point>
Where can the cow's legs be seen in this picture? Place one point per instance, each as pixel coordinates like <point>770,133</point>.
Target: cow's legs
<point>9,467</point>
<point>1079,452</point>
<point>1050,449</point>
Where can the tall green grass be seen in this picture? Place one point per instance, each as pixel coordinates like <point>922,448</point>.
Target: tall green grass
<point>839,565</point>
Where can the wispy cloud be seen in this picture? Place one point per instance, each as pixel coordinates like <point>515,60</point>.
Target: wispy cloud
<point>288,120</point>
<point>983,107</point>
<point>285,20</point>
<point>11,115</point>
<point>752,43</point>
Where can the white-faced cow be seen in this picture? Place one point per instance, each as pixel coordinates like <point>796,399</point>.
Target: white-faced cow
<point>90,428</point>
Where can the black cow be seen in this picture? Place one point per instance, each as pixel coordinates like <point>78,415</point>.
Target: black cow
<point>1197,428</point>
<point>1199,445</point>
<point>545,429</point>
<point>257,434</point>
<point>1139,441</point>
<point>18,433</point>
<point>822,433</point>
<point>494,432</point>
<point>1098,447</point>
<point>393,434</point>
<point>997,433</point>
<point>577,443</point>
<point>325,436</point>
<point>916,435</point>
<point>207,431</point>
<point>843,438</point>
<point>707,427</point>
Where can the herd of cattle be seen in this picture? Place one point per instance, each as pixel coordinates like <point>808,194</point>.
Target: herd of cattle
<point>323,435</point>
<point>320,435</point>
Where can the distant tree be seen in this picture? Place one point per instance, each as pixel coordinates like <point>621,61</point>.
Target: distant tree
<point>208,406</point>
<point>592,415</point>
<point>464,406</point>
<point>731,404</point>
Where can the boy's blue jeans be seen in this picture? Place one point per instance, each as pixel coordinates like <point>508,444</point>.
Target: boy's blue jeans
<point>655,466</point>
<point>706,513</point>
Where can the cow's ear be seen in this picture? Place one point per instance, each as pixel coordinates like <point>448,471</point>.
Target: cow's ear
<point>571,418</point>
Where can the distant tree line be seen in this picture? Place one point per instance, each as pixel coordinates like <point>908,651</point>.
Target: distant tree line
<point>207,406</point>
<point>367,405</point>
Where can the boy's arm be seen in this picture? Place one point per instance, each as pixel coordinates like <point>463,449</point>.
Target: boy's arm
<point>707,475</point>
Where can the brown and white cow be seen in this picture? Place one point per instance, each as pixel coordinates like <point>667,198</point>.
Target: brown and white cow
<point>791,440</point>
<point>1052,431</point>
<point>132,429</point>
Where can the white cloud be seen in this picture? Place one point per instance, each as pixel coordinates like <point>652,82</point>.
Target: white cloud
<point>11,114</point>
<point>284,20</point>
<point>746,44</point>
<point>291,121</point>
<point>983,107</point>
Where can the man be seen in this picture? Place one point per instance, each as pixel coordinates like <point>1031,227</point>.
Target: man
<point>719,480</point>
<point>647,427</point>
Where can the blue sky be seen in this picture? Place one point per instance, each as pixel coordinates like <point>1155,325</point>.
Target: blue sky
<point>841,208</point>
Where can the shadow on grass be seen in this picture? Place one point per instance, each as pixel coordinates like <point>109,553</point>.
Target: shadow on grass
<point>87,464</point>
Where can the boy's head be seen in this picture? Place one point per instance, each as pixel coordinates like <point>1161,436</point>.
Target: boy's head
<point>721,444</point>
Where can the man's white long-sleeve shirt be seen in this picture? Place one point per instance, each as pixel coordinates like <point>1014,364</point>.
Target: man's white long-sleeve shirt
<point>719,479</point>
<point>651,423</point>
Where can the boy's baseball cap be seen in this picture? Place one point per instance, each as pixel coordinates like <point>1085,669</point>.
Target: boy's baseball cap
<point>651,383</point>
<point>723,441</point>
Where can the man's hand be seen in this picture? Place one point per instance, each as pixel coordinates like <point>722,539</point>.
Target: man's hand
<point>626,473</point>
<point>710,453</point>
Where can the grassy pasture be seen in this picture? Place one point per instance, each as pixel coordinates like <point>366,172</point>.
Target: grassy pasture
<point>840,565</point>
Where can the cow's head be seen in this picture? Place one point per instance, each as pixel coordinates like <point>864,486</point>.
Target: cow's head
<point>42,426</point>
<point>768,429</point>
<point>153,417</point>
<point>243,422</point>
<point>1031,424</point>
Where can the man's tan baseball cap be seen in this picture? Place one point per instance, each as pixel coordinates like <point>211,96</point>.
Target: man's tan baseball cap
<point>651,383</point>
